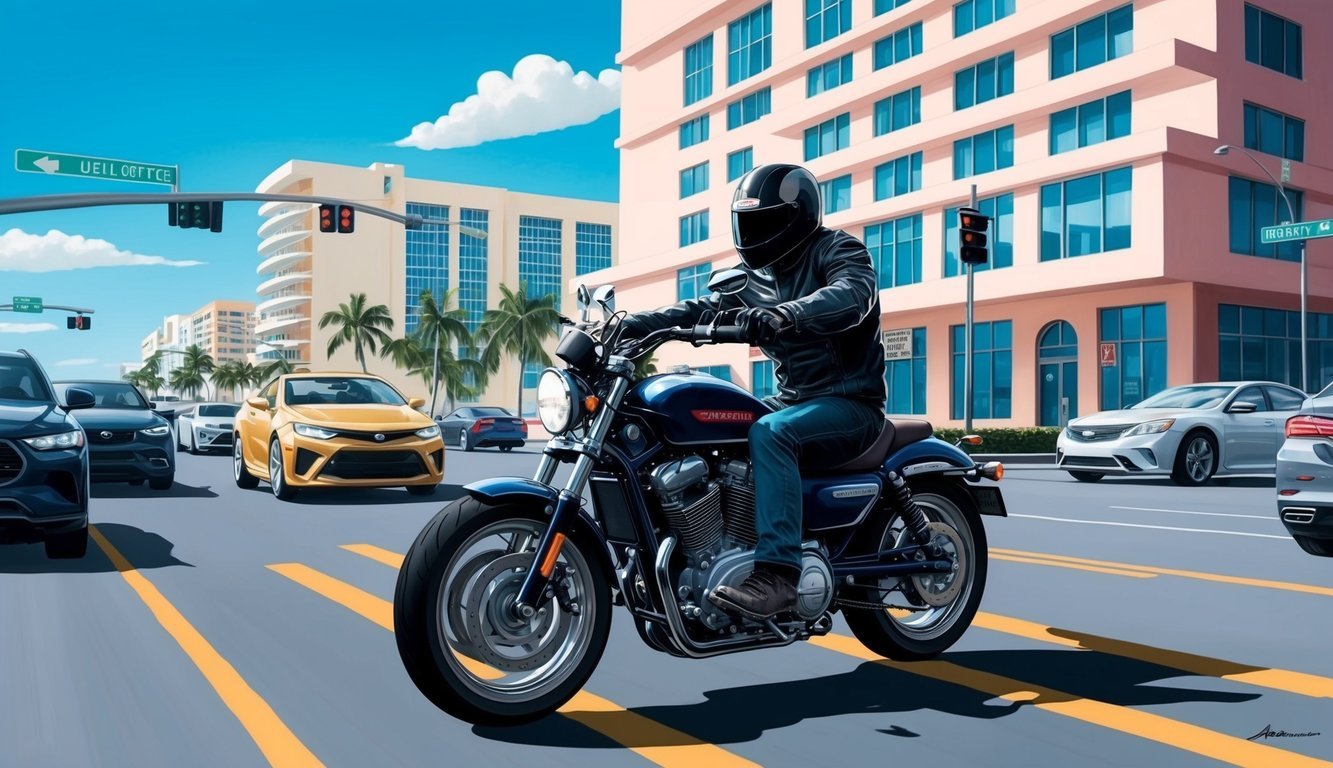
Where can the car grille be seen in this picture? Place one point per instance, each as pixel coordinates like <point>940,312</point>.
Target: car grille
<point>110,436</point>
<point>1090,461</point>
<point>373,465</point>
<point>1099,433</point>
<point>11,463</point>
<point>369,437</point>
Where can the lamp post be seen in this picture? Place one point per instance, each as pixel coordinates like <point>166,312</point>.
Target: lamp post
<point>1291,219</point>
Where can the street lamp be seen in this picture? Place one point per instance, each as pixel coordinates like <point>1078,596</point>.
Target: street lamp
<point>1291,219</point>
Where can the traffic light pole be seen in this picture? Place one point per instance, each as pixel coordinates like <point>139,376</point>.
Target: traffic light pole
<point>968,368</point>
<point>75,310</point>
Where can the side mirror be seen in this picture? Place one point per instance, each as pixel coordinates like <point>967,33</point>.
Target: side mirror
<point>152,405</point>
<point>583,300</point>
<point>728,281</point>
<point>415,403</point>
<point>258,403</point>
<point>1242,406</point>
<point>605,296</point>
<point>79,398</point>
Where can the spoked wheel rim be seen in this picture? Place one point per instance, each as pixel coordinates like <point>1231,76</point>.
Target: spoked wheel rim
<point>237,460</point>
<point>275,479</point>
<point>1199,459</point>
<point>928,621</point>
<point>495,653</point>
<point>462,440</point>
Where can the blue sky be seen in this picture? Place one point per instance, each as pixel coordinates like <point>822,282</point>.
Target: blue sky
<point>232,95</point>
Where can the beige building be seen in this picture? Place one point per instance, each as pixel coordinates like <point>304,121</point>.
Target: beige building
<point>223,329</point>
<point>544,241</point>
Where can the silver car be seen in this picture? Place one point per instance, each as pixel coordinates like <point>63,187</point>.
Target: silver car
<point>1191,433</point>
<point>206,426</point>
<point>1305,476</point>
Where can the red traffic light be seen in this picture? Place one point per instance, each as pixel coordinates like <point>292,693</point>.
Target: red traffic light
<point>346,218</point>
<point>970,219</point>
<point>972,226</point>
<point>326,223</point>
<point>78,323</point>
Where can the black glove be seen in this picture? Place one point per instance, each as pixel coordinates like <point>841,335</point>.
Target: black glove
<point>760,325</point>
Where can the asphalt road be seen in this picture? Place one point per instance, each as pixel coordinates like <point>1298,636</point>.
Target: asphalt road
<point>1124,624</point>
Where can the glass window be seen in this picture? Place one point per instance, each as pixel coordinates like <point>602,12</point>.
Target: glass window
<point>694,131</point>
<point>592,247</point>
<point>899,46</point>
<point>539,257</point>
<point>694,180</point>
<point>1000,209</point>
<point>898,177</point>
<point>1139,335</point>
<point>971,15</point>
<point>20,380</point>
<point>716,371</point>
<point>1264,343</point>
<point>992,355</point>
<point>884,6</point>
<point>837,193</point>
<point>1090,214</point>
<point>699,70</point>
<point>984,81</point>
<point>829,136</point>
<point>344,390</point>
<point>826,19</point>
<point>693,228</point>
<point>426,254</point>
<point>985,152</point>
<point>898,111</point>
<point>692,282</point>
<point>1092,42</point>
<point>1272,41</point>
<point>749,108</point>
<point>761,379</point>
<point>1284,399</point>
<point>750,44</point>
<point>739,163</point>
<point>1252,205</point>
<point>905,379</point>
<point>829,75</point>
<point>1274,133</point>
<point>895,250</point>
<point>474,260</point>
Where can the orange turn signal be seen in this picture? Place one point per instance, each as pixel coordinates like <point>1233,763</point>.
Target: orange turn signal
<point>548,564</point>
<point>590,403</point>
<point>971,439</point>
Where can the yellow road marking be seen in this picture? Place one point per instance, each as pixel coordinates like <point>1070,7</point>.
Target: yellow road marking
<point>659,744</point>
<point>1277,679</point>
<point>1057,564</point>
<point>1163,730</point>
<point>1241,580</point>
<point>378,554</point>
<point>277,743</point>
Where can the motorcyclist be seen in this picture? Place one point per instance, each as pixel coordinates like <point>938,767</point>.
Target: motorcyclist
<point>812,305</point>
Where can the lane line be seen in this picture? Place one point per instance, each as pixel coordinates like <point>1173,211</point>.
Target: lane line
<point>1205,666</point>
<point>378,554</point>
<point>658,743</point>
<point>1192,512</point>
<point>1285,586</point>
<point>1163,730</point>
<point>1092,568</point>
<point>275,740</point>
<point>1155,527</point>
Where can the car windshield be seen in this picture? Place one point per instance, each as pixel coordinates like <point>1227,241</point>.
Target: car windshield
<point>490,412</point>
<point>20,381</point>
<point>225,411</point>
<point>340,390</point>
<point>1188,397</point>
<point>107,394</point>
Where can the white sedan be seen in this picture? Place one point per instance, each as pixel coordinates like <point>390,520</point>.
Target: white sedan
<point>206,426</point>
<point>1191,433</point>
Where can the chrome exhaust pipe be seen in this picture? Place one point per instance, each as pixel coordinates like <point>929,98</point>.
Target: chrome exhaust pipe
<point>1298,515</point>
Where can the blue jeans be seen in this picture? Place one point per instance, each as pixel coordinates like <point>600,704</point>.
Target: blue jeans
<point>824,431</point>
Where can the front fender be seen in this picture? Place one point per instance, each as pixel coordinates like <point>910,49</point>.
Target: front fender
<point>501,490</point>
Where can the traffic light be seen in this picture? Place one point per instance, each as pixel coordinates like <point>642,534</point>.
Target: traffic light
<point>326,218</point>
<point>346,219</point>
<point>78,323</point>
<point>196,215</point>
<point>972,226</point>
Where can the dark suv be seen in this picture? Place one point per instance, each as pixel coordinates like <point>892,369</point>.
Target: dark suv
<point>127,440</point>
<point>43,460</point>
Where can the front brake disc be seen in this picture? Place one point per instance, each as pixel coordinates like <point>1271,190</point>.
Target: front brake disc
<point>492,629</point>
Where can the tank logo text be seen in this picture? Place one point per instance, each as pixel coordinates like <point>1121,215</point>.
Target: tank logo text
<point>721,417</point>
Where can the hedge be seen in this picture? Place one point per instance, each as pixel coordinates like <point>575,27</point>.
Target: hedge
<point>1007,440</point>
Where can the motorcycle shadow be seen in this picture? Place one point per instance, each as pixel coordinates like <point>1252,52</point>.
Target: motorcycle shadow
<point>745,713</point>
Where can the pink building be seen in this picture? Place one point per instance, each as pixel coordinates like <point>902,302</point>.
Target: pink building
<point>1126,254</point>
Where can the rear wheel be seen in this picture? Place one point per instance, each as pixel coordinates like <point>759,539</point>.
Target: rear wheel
<point>1317,547</point>
<point>1196,459</point>
<point>66,546</point>
<point>463,441</point>
<point>930,611</point>
<point>1086,477</point>
<point>239,473</point>
<point>277,474</point>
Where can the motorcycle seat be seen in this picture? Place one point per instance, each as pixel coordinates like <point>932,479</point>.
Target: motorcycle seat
<point>895,434</point>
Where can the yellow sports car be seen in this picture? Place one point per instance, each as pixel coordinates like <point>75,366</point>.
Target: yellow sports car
<point>335,430</point>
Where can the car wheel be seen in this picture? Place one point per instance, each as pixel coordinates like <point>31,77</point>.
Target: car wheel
<point>277,474</point>
<point>1317,547</point>
<point>1086,477</point>
<point>67,546</point>
<point>1196,459</point>
<point>421,490</point>
<point>239,473</point>
<point>162,483</point>
<point>463,441</point>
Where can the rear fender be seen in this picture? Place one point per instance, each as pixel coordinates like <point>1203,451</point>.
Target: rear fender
<point>929,456</point>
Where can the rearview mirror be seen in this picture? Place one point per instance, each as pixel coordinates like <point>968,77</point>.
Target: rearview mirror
<point>728,281</point>
<point>582,299</point>
<point>415,403</point>
<point>605,296</point>
<point>258,403</point>
<point>79,398</point>
<point>1241,406</point>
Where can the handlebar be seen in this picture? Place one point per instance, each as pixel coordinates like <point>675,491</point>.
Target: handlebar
<point>698,335</point>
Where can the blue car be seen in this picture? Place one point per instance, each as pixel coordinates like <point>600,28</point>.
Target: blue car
<point>43,460</point>
<point>483,426</point>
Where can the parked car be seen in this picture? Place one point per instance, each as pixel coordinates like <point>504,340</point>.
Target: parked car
<point>1191,433</point>
<point>335,430</point>
<point>127,441</point>
<point>43,460</point>
<point>1305,475</point>
<point>483,426</point>
<point>206,426</point>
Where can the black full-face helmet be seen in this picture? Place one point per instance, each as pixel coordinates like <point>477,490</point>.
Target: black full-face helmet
<point>775,209</point>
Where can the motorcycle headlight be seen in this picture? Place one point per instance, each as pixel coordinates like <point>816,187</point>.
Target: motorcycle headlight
<point>158,431</point>
<point>426,433</point>
<point>64,440</point>
<point>310,430</point>
<point>1150,428</point>
<point>557,405</point>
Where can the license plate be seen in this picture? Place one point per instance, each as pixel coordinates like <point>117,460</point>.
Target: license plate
<point>989,501</point>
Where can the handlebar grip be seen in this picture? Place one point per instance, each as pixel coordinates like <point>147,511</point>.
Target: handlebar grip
<point>728,334</point>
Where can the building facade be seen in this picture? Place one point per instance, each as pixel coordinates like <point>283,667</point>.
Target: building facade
<point>1125,254</point>
<point>537,240</point>
<point>223,329</point>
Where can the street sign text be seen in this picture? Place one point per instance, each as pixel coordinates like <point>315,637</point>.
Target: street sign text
<point>1301,230</point>
<point>28,304</point>
<point>59,164</point>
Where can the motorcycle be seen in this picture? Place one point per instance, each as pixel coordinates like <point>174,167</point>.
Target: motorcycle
<point>503,604</point>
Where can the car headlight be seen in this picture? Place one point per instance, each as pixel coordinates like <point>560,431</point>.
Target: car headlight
<point>556,404</point>
<point>158,431</point>
<point>310,430</point>
<point>426,433</point>
<point>1150,428</point>
<point>62,441</point>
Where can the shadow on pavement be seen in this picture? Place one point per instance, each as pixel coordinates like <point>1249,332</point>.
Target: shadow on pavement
<point>1060,476</point>
<point>144,550</point>
<point>743,714</point>
<point>177,490</point>
<point>444,492</point>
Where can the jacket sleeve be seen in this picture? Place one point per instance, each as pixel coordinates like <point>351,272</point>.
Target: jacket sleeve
<point>849,292</point>
<point>685,313</point>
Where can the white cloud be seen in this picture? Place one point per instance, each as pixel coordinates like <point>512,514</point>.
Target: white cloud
<point>56,252</point>
<point>26,327</point>
<point>542,95</point>
<point>73,361</point>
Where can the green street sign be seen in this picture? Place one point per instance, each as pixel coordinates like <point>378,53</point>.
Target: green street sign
<point>1301,230</point>
<point>28,304</point>
<point>58,164</point>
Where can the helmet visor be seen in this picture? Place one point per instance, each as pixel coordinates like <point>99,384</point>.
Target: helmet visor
<point>756,226</point>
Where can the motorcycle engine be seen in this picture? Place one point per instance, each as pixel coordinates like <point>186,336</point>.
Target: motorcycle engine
<point>711,511</point>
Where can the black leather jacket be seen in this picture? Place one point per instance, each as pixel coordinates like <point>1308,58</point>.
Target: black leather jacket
<point>831,295</point>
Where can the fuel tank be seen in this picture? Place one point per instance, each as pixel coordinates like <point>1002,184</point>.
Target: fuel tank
<point>695,408</point>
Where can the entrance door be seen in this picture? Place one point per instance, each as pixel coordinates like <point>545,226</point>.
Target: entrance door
<point>1057,374</point>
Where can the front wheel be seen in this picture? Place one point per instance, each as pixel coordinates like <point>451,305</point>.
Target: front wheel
<point>1086,477</point>
<point>925,614</point>
<point>277,474</point>
<point>460,642</point>
<point>239,472</point>
<point>1196,459</point>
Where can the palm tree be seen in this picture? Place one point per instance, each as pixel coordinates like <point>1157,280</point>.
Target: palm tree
<point>186,381</point>
<point>407,354</point>
<point>197,364</point>
<point>440,328</point>
<point>247,375</point>
<point>645,366</point>
<point>519,326</point>
<point>411,355</point>
<point>231,375</point>
<point>359,325</point>
<point>280,367</point>
<point>149,375</point>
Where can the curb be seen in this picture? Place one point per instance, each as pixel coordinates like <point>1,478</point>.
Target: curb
<point>1017,458</point>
